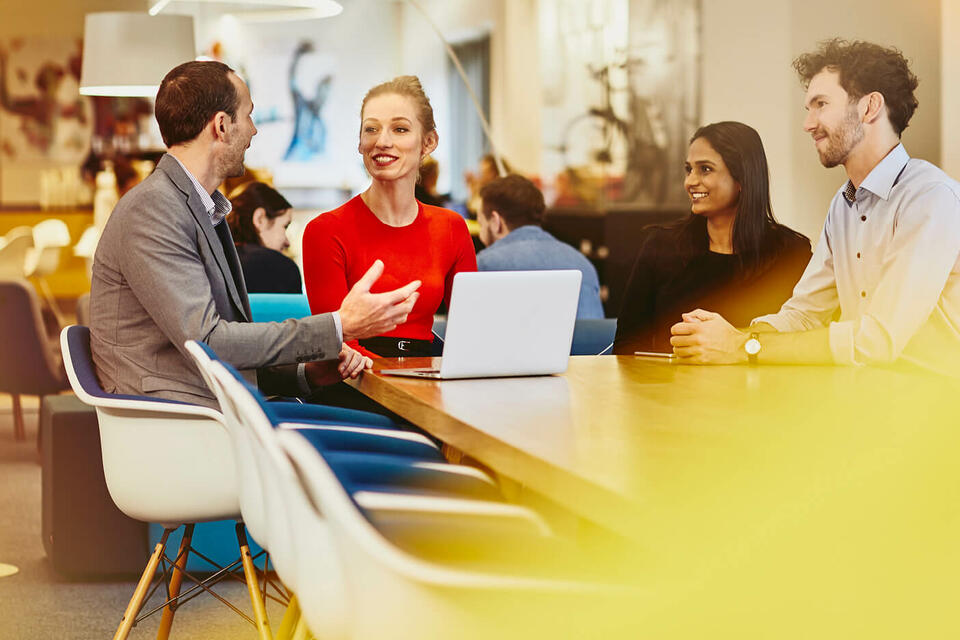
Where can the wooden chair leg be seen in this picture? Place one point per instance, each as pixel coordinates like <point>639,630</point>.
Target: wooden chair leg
<point>253,586</point>
<point>39,430</point>
<point>51,301</point>
<point>302,632</point>
<point>291,617</point>
<point>140,593</point>
<point>176,579</point>
<point>19,434</point>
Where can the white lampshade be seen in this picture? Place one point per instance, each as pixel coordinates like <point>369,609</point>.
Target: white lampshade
<point>250,10</point>
<point>128,54</point>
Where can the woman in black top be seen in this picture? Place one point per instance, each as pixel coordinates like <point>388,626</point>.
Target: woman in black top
<point>259,222</point>
<point>729,256</point>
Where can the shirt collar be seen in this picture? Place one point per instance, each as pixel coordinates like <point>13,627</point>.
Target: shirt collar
<point>521,233</point>
<point>882,177</point>
<point>217,206</point>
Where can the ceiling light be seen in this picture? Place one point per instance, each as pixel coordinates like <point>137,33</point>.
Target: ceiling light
<point>251,10</point>
<point>128,54</point>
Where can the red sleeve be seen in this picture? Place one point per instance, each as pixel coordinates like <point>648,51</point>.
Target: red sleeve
<point>465,256</point>
<point>324,268</point>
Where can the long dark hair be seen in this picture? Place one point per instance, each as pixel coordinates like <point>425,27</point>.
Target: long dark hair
<point>755,237</point>
<point>253,196</point>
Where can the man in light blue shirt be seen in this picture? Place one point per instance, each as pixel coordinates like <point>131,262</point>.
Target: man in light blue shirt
<point>510,219</point>
<point>888,258</point>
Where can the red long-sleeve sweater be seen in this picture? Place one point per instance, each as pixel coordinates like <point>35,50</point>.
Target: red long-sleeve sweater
<point>340,246</point>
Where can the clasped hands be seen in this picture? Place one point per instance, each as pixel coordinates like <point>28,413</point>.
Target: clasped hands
<point>362,315</point>
<point>704,337</point>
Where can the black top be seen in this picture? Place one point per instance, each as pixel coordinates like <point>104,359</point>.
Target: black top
<point>674,274</point>
<point>268,271</point>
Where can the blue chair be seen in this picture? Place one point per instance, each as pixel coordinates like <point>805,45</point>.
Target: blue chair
<point>593,336</point>
<point>277,307</point>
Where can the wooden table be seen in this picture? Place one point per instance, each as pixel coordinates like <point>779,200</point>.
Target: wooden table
<point>627,442</point>
<point>760,501</point>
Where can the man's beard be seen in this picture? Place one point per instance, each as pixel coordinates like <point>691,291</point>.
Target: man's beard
<point>237,170</point>
<point>842,141</point>
<point>234,166</point>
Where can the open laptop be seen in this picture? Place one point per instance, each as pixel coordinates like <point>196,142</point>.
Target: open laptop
<point>507,323</point>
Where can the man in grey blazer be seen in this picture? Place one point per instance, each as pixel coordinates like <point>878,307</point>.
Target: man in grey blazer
<point>166,269</point>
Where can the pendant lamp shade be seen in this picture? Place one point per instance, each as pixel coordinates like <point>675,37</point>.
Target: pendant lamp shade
<point>128,54</point>
<point>251,10</point>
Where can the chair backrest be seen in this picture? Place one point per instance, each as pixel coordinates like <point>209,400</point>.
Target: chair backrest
<point>87,244</point>
<point>251,488</point>
<point>13,252</point>
<point>593,336</point>
<point>242,409</point>
<point>49,238</point>
<point>413,597</point>
<point>404,587</point>
<point>28,363</point>
<point>52,232</point>
<point>163,461</point>
<point>277,307</point>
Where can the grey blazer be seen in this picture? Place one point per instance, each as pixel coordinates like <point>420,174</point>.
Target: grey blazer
<point>161,277</point>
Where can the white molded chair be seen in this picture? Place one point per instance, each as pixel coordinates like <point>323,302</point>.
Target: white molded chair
<point>431,485</point>
<point>164,462</point>
<point>377,582</point>
<point>50,236</point>
<point>14,247</point>
<point>365,587</point>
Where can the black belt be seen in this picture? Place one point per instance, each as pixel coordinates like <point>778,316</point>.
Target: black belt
<point>387,347</point>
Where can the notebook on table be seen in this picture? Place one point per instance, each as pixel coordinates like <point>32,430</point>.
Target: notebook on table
<point>507,323</point>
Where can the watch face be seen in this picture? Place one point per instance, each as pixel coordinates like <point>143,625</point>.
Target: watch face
<point>752,346</point>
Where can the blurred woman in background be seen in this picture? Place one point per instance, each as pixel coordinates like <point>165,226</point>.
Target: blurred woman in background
<point>259,222</point>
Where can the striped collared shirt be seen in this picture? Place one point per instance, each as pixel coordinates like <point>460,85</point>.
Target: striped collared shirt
<point>217,206</point>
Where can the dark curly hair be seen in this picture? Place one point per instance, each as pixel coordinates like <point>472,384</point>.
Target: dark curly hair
<point>865,67</point>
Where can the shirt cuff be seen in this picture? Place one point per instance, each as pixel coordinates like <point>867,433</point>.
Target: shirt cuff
<point>773,320</point>
<point>339,325</point>
<point>302,379</point>
<point>841,342</point>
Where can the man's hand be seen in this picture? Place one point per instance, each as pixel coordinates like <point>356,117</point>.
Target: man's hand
<point>348,365</point>
<point>364,314</point>
<point>705,337</point>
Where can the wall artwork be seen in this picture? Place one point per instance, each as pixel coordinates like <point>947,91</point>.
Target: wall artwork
<point>621,98</point>
<point>291,84</point>
<point>43,118</point>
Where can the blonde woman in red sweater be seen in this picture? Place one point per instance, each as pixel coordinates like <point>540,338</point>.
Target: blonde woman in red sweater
<point>415,241</point>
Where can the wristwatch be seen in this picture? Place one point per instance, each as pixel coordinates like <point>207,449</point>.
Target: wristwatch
<point>752,347</point>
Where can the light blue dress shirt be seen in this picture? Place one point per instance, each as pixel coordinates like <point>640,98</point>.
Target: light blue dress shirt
<point>890,260</point>
<point>530,248</point>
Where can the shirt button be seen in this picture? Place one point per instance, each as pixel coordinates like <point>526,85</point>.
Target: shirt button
<point>863,218</point>
<point>863,294</point>
<point>858,255</point>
